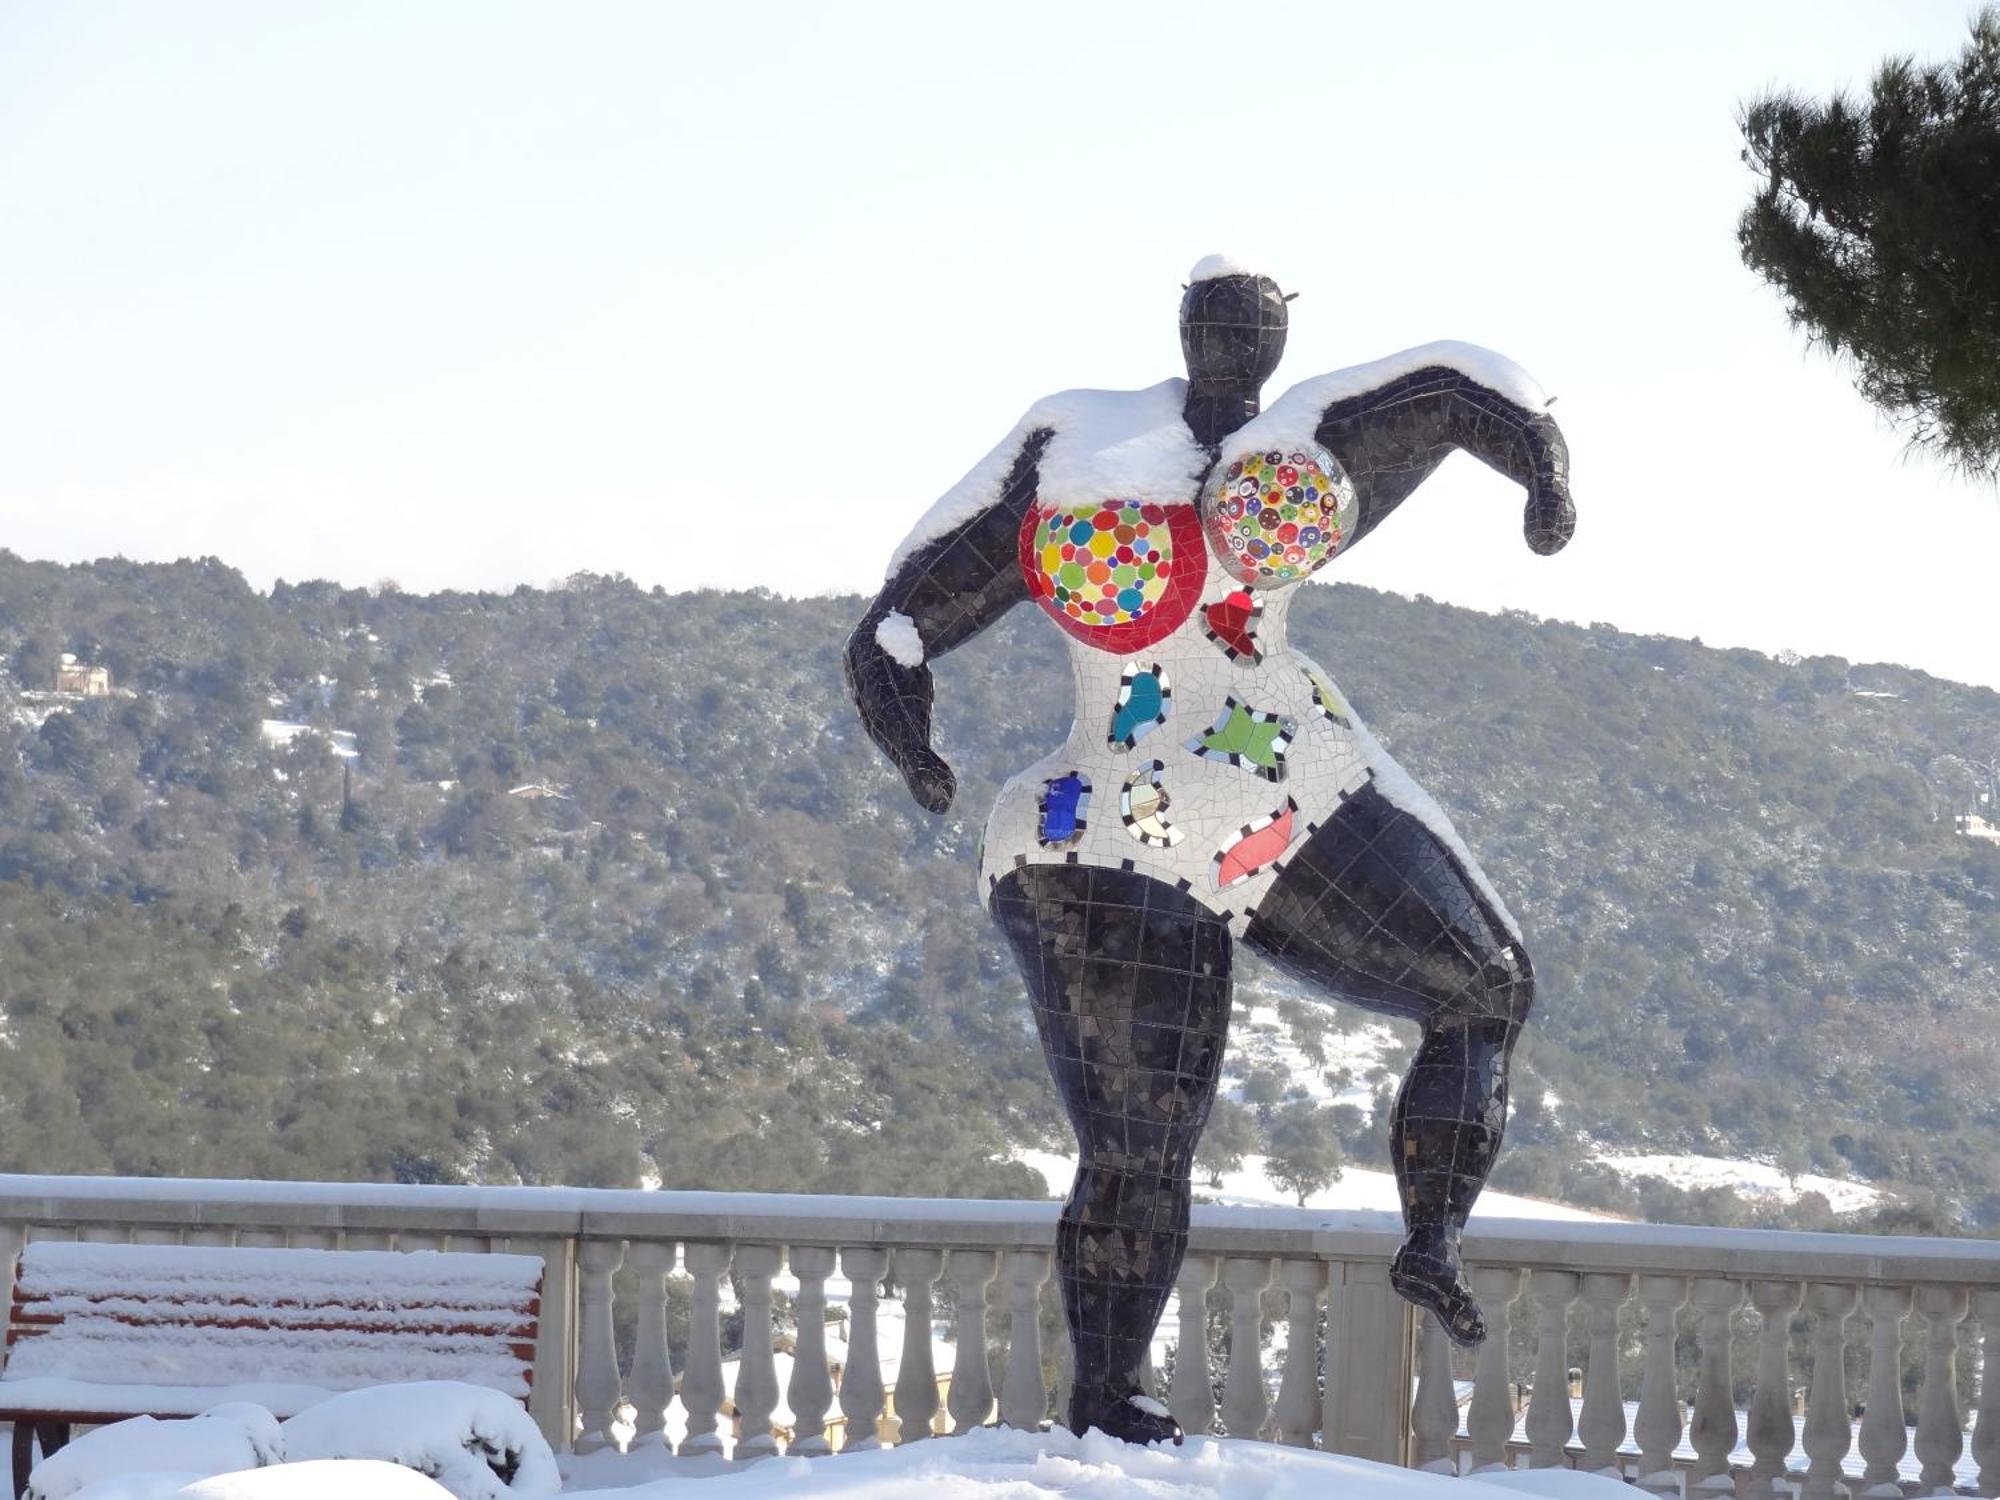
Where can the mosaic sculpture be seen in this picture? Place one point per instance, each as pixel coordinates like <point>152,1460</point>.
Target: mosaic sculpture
<point>1216,788</point>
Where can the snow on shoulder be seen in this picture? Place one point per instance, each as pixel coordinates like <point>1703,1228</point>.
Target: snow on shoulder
<point>1294,415</point>
<point>1128,444</point>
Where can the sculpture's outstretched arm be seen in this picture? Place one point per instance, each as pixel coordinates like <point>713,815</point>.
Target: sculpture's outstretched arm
<point>1392,438</point>
<point>942,591</point>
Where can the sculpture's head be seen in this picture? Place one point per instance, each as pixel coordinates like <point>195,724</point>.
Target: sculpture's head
<point>1233,324</point>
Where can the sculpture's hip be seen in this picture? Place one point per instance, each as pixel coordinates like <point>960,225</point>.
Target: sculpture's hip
<point>1202,761</point>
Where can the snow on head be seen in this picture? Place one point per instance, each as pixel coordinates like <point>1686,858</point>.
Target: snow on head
<point>1214,267</point>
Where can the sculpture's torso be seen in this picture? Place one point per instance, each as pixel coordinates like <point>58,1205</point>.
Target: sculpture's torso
<point>1204,749</point>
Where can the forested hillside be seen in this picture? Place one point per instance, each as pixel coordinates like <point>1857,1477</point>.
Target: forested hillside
<point>612,889</point>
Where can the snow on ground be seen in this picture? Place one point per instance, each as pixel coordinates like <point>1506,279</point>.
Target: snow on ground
<point>281,732</point>
<point>1749,1179</point>
<point>1001,1464</point>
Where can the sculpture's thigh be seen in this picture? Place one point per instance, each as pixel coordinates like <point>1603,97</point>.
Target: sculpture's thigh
<point>1130,980</point>
<point>1376,909</point>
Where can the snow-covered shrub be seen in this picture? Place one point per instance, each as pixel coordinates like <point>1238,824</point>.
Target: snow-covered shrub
<point>475,1442</point>
<point>235,1435</point>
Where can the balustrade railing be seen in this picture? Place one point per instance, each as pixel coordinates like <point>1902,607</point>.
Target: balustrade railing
<point>1318,1349</point>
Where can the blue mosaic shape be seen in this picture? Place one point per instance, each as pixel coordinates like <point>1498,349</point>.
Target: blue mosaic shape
<point>1144,696</point>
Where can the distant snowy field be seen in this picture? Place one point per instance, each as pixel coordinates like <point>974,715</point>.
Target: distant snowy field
<point>1757,1181</point>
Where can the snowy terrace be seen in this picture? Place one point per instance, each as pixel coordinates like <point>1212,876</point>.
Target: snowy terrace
<point>960,1289</point>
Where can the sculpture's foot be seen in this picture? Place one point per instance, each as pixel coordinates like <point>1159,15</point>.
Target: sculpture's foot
<point>1425,1272</point>
<point>1136,1418</point>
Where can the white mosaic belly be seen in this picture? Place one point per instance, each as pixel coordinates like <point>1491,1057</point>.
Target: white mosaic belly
<point>1204,760</point>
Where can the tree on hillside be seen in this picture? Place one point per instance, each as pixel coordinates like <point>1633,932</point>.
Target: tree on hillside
<point>1305,1149</point>
<point>1232,1134</point>
<point>1879,223</point>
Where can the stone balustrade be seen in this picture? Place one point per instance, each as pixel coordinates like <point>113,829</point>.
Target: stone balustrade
<point>1320,1351</point>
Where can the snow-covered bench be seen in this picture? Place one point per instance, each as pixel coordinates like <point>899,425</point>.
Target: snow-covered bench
<point>102,1332</point>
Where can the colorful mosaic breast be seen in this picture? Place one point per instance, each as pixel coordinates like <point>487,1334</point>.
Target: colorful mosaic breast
<point>1274,517</point>
<point>1116,574</point>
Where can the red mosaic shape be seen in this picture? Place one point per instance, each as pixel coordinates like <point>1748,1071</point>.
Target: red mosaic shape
<point>1231,622</point>
<point>1255,848</point>
<point>1116,574</point>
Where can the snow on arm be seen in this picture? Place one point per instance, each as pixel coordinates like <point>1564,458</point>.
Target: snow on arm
<point>1294,417</point>
<point>897,635</point>
<point>1396,784</point>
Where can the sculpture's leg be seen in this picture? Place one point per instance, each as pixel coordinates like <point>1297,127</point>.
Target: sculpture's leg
<point>1130,983</point>
<point>1375,908</point>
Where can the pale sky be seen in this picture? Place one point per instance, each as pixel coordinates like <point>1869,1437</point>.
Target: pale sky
<point>478,294</point>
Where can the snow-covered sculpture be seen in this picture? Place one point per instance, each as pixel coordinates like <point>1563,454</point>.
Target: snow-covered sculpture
<point>1216,788</point>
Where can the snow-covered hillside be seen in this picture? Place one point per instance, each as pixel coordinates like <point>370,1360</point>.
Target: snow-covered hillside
<point>1752,1180</point>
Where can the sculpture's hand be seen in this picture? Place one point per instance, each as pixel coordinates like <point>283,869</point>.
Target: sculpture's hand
<point>930,780</point>
<point>1550,519</point>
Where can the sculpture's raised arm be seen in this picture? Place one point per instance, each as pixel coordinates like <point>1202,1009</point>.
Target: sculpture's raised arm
<point>1393,422</point>
<point>956,574</point>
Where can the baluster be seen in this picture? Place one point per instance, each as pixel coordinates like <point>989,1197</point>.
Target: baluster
<point>414,1239</point>
<point>597,1383</point>
<point>652,1368</point>
<point>1024,1399</point>
<point>365,1239</point>
<point>1244,1404</point>
<point>1940,1423</point>
<point>861,1382</point>
<point>756,1372</point>
<point>219,1234</point>
<point>1884,1434</point>
<point>1550,1420</point>
<point>1601,1424</point>
<point>701,1381</point>
<point>1772,1434</point>
<point>1298,1393</point>
<point>971,1403</point>
<point>1191,1397</point>
<point>147,1235</point>
<point>1434,1409</point>
<point>1829,1427</point>
<point>1986,1436</point>
<point>810,1393</point>
<point>1657,1429</point>
<point>1713,1430</point>
<point>1489,1419</point>
<point>916,1381</point>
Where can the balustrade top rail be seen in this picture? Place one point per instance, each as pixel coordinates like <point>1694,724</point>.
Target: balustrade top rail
<point>785,1218</point>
